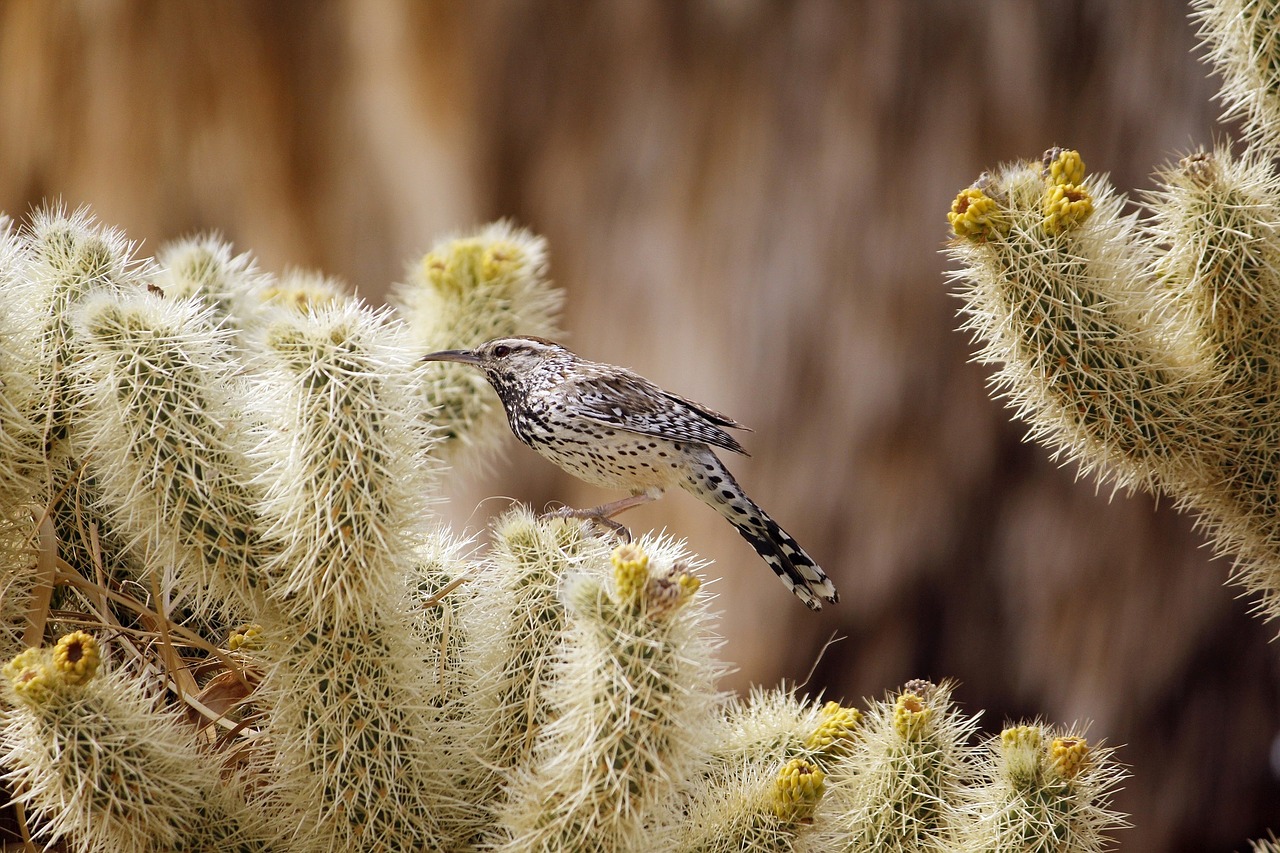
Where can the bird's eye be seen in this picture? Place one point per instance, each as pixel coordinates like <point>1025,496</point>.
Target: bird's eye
<point>501,351</point>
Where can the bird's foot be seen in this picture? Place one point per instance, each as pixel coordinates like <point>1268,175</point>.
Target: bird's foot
<point>593,515</point>
<point>603,514</point>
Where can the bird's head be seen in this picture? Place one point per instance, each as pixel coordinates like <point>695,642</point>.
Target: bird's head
<point>510,363</point>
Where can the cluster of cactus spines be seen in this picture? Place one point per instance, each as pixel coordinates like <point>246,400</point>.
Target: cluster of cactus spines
<point>21,454</point>
<point>1148,349</point>
<point>1042,793</point>
<point>766,775</point>
<point>913,767</point>
<point>632,692</point>
<point>346,468</point>
<point>344,505</point>
<point>513,622</point>
<point>517,621</point>
<point>67,260</point>
<point>210,454</point>
<point>1270,844</point>
<point>95,760</point>
<point>465,291</point>
<point>1057,295</point>
<point>1242,38</point>
<point>204,267</point>
<point>163,434</point>
<point>21,435</point>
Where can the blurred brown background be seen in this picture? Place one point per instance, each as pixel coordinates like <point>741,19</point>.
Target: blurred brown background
<point>745,202</point>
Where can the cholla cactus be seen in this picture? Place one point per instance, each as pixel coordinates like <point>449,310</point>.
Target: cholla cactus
<point>1044,792</point>
<point>912,768</point>
<point>158,388</point>
<point>467,290</point>
<point>96,761</point>
<point>193,452</point>
<point>1149,349</point>
<point>631,695</point>
<point>770,758</point>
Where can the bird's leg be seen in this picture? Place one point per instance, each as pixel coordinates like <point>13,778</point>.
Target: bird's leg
<point>603,514</point>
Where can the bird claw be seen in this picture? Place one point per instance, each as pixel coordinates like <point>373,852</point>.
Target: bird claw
<point>603,514</point>
<point>595,515</point>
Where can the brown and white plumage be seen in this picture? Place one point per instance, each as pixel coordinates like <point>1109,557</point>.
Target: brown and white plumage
<point>613,428</point>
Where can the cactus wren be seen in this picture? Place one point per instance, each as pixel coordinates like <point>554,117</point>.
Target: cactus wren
<point>613,428</point>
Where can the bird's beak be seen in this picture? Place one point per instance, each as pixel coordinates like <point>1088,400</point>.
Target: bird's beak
<point>461,356</point>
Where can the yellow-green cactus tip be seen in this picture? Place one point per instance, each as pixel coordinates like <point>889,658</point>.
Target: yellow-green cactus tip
<point>286,339</point>
<point>836,731</point>
<point>1063,166</point>
<point>1021,748</point>
<point>1017,737</point>
<point>630,572</point>
<point>76,657</point>
<point>98,258</point>
<point>501,258</point>
<point>302,296</point>
<point>246,638</point>
<point>910,716</point>
<point>1068,756</point>
<point>31,675</point>
<point>456,265</point>
<point>976,216</point>
<point>797,789</point>
<point>434,265</point>
<point>1066,207</point>
<point>688,583</point>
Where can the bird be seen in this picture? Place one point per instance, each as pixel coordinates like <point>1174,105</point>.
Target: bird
<point>611,427</point>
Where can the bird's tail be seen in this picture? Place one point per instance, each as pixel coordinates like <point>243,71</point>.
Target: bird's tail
<point>714,485</point>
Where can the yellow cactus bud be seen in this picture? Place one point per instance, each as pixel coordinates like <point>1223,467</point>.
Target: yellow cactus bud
<point>630,573</point>
<point>1022,748</point>
<point>910,716</point>
<point>1068,756</point>
<point>1063,166</point>
<point>32,677</point>
<point>1017,737</point>
<point>246,638</point>
<point>76,657</point>
<point>976,216</point>
<point>22,661</point>
<point>1066,206</point>
<point>661,591</point>
<point>302,293</point>
<point>837,728</point>
<point>502,258</point>
<point>451,268</point>
<point>797,789</point>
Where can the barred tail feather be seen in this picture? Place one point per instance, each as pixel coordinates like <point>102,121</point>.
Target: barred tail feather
<point>788,560</point>
<point>714,485</point>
